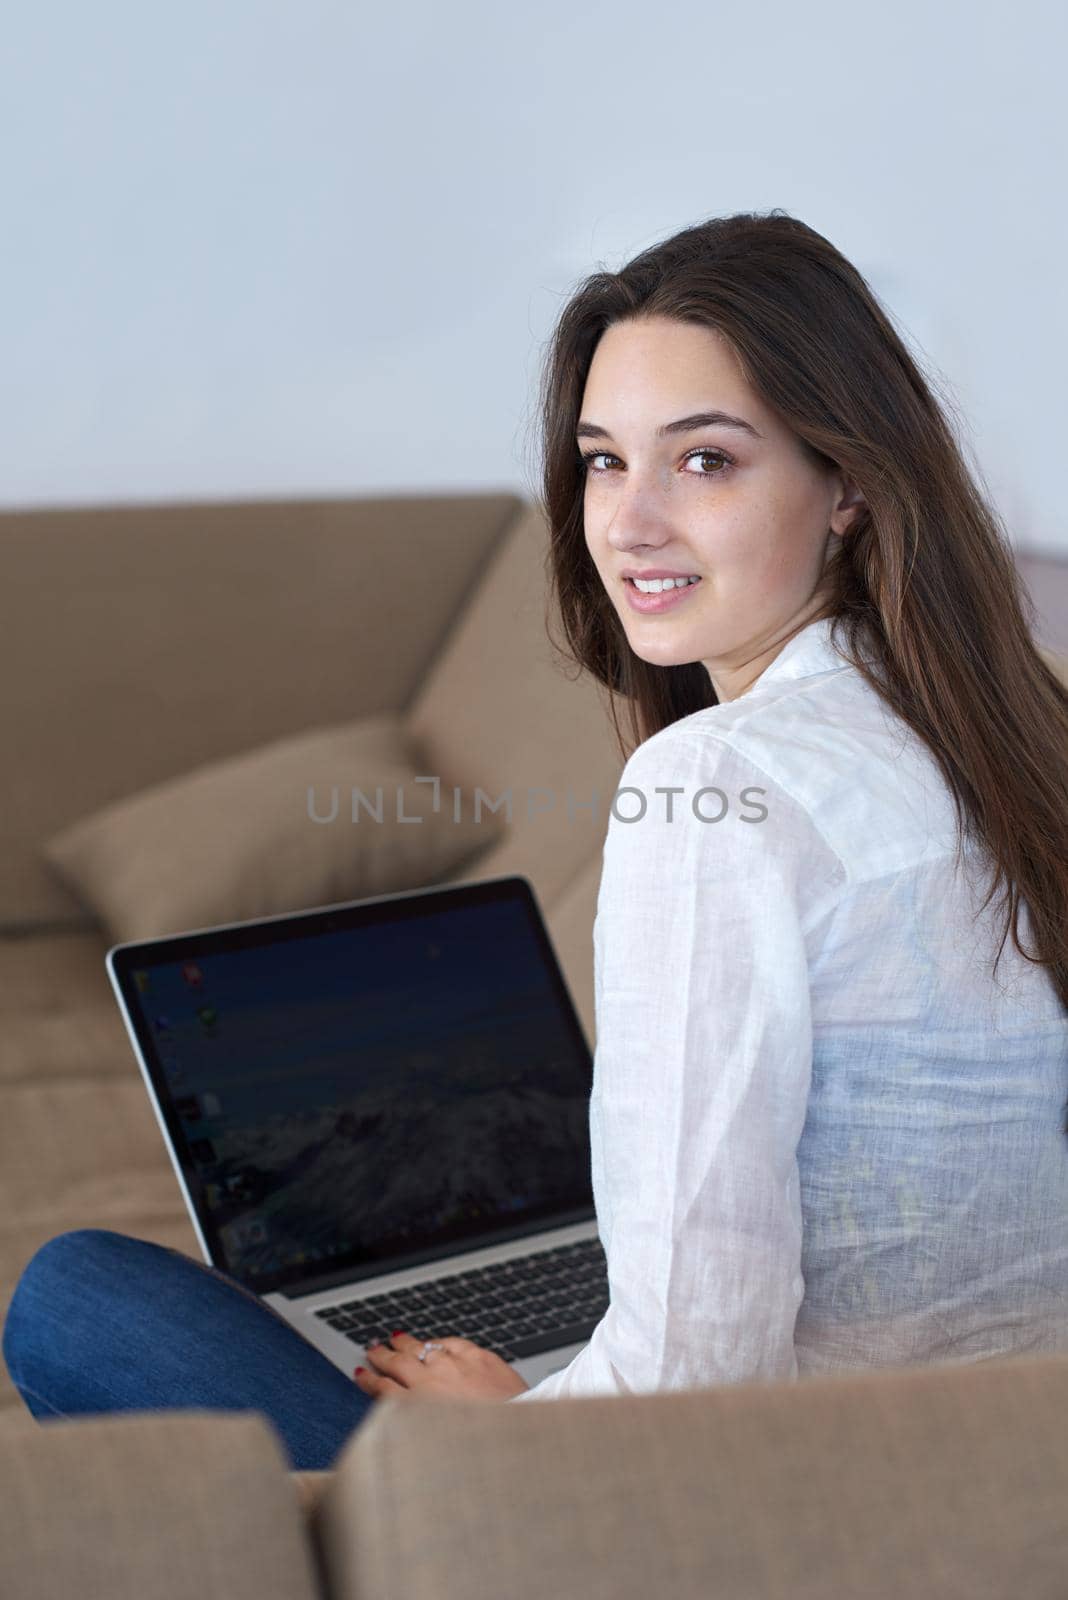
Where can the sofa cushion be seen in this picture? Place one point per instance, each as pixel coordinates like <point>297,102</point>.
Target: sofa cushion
<point>154,1506</point>
<point>332,814</point>
<point>77,1154</point>
<point>58,1016</point>
<point>936,1482</point>
<point>79,1144</point>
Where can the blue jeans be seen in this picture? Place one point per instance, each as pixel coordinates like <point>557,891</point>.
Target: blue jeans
<point>104,1322</point>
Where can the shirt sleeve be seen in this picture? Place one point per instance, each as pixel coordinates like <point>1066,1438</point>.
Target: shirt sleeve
<point>702,1069</point>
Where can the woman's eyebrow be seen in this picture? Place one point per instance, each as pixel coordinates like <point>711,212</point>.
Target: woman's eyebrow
<point>700,419</point>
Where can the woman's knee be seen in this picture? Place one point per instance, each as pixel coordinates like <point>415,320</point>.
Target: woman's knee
<point>66,1259</point>
<point>54,1280</point>
<point>58,1256</point>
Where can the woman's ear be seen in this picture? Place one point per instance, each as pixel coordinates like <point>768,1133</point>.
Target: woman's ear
<point>848,509</point>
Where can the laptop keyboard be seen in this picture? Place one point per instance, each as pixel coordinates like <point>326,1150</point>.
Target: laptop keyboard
<point>515,1308</point>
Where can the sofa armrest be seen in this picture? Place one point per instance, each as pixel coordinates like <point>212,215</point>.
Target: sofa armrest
<point>171,1505</point>
<point>927,1481</point>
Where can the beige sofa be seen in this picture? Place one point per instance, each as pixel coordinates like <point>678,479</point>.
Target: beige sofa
<point>139,644</point>
<point>937,1483</point>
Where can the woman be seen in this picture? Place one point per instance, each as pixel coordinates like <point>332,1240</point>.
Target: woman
<point>825,1133</point>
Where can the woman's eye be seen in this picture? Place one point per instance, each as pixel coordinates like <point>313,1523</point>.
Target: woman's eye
<point>724,461</point>
<point>711,455</point>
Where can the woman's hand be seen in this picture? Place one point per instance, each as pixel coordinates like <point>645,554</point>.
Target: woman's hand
<point>463,1370</point>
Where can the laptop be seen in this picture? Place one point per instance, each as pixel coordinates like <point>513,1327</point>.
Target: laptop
<point>378,1115</point>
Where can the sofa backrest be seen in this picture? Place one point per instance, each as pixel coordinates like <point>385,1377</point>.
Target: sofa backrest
<point>151,1506</point>
<point>137,642</point>
<point>923,1482</point>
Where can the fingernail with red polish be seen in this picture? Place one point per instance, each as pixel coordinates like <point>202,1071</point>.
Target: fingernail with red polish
<point>396,1332</point>
<point>358,1370</point>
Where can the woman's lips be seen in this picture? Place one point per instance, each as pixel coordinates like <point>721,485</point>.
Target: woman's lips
<point>666,600</point>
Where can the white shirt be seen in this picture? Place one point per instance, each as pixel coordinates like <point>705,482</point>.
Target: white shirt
<point>822,1136</point>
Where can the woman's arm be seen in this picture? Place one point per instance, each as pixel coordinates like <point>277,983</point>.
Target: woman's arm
<point>701,1072</point>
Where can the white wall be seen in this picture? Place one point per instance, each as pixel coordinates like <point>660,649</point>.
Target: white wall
<point>261,248</point>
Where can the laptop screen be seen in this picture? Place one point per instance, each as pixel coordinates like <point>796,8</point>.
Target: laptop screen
<point>366,1087</point>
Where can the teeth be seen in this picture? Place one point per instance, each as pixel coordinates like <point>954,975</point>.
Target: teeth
<point>657,585</point>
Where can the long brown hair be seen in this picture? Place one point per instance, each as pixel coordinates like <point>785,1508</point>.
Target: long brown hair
<point>925,576</point>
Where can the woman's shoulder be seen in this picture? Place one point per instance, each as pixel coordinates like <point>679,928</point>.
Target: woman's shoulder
<point>787,738</point>
<point>699,777</point>
<point>836,758</point>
